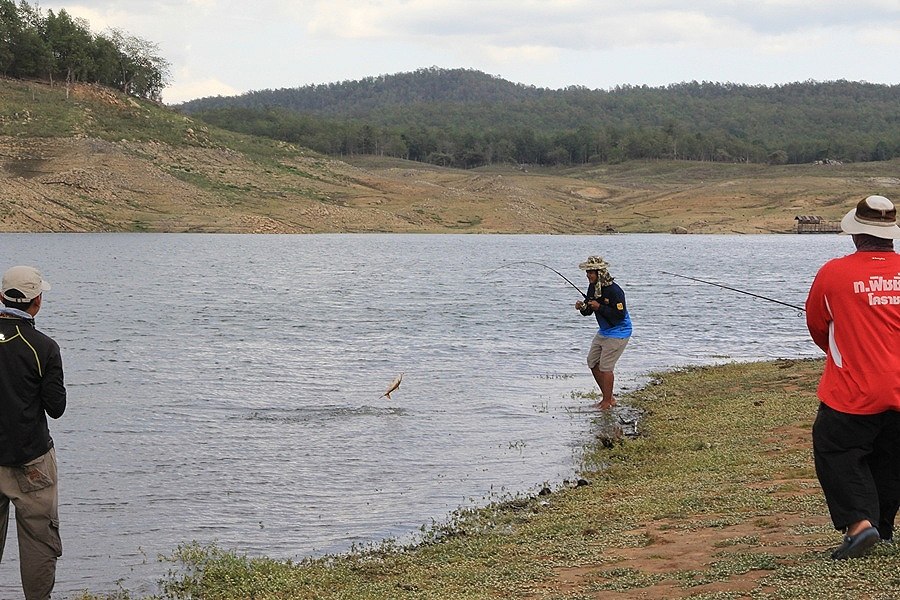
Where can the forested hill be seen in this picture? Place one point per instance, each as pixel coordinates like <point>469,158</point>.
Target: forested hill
<point>373,94</point>
<point>466,118</point>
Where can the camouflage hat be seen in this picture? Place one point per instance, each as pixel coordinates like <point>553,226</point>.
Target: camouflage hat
<point>594,263</point>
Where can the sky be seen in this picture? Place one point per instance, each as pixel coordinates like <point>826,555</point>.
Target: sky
<point>225,47</point>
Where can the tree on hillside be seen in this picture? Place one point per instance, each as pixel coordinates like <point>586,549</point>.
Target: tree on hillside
<point>70,43</point>
<point>10,26</point>
<point>105,60</point>
<point>58,46</point>
<point>34,54</point>
<point>142,71</point>
<point>23,52</point>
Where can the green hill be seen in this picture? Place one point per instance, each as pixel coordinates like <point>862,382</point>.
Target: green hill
<point>466,118</point>
<point>92,159</point>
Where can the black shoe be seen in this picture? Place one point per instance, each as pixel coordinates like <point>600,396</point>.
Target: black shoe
<point>857,545</point>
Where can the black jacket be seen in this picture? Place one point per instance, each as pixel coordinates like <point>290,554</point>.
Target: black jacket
<point>31,388</point>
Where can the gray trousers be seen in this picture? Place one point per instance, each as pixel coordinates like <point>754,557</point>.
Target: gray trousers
<point>33,491</point>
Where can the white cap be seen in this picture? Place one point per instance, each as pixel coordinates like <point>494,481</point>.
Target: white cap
<point>26,280</point>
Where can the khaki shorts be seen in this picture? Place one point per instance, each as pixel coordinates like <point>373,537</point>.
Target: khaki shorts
<point>605,352</point>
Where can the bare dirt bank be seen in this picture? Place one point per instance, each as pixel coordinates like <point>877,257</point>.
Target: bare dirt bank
<point>93,160</point>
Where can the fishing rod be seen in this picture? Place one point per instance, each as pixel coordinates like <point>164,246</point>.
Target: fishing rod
<point>800,308</point>
<point>531,262</point>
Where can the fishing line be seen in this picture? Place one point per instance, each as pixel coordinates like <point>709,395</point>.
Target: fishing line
<point>531,262</point>
<point>800,308</point>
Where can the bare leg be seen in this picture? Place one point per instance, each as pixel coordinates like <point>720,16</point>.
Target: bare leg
<point>605,380</point>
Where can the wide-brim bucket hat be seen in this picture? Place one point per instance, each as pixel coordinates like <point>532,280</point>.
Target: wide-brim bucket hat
<point>875,216</point>
<point>594,263</point>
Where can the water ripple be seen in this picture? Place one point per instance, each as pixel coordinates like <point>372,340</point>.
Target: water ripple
<point>227,386</point>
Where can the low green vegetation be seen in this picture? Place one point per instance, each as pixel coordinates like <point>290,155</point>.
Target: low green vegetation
<point>717,499</point>
<point>37,110</point>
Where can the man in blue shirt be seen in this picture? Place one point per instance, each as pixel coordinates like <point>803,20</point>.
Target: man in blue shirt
<point>606,301</point>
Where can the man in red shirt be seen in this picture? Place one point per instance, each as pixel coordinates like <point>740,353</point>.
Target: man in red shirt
<point>853,314</point>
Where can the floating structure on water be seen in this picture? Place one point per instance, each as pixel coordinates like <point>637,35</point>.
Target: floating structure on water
<point>813,224</point>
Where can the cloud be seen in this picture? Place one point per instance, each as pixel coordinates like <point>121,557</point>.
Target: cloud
<point>774,40</point>
<point>515,54</point>
<point>98,19</point>
<point>186,88</point>
<point>574,23</point>
<point>354,22</point>
<point>513,22</point>
<point>286,43</point>
<point>883,38</point>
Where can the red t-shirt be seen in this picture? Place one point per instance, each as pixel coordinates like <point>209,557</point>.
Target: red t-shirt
<point>853,314</point>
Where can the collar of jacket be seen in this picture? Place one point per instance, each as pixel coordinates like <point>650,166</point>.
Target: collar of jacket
<point>15,312</point>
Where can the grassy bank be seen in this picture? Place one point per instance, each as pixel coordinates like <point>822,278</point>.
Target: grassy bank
<point>717,499</point>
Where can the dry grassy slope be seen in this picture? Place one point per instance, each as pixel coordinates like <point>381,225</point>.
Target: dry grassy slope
<point>92,176</point>
<point>740,198</point>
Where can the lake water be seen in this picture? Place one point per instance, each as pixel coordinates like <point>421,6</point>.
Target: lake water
<point>225,388</point>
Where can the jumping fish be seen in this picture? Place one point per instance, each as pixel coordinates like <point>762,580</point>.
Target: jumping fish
<point>394,385</point>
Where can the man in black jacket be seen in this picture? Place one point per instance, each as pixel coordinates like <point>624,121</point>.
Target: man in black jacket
<point>31,388</point>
